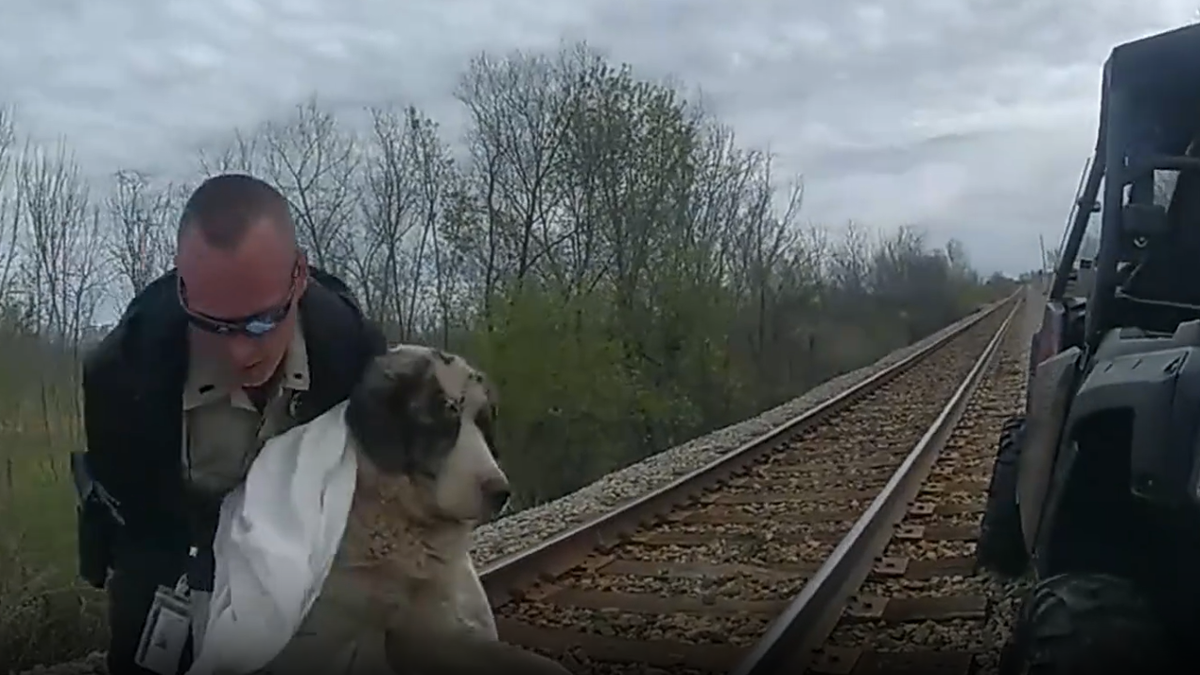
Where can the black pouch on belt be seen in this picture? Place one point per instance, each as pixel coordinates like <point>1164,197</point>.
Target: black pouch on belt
<point>98,519</point>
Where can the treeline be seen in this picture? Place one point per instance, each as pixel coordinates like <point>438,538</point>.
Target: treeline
<point>627,273</point>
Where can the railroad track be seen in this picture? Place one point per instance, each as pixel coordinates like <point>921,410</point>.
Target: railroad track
<point>907,596</point>
<point>704,575</point>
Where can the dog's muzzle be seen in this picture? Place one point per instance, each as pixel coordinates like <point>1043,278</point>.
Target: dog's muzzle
<point>496,494</point>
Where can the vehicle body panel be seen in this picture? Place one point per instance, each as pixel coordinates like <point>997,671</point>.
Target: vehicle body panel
<point>1050,393</point>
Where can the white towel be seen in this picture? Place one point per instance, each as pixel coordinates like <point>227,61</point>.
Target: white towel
<point>276,540</point>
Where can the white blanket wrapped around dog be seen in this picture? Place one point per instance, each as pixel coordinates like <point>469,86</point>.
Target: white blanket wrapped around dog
<point>276,540</point>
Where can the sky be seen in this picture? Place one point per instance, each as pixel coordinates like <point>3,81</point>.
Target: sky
<point>969,118</point>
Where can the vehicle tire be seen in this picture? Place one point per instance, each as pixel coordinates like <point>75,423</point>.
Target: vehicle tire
<point>1001,546</point>
<point>1085,624</point>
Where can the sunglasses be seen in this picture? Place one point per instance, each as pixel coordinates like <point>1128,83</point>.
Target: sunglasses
<point>256,325</point>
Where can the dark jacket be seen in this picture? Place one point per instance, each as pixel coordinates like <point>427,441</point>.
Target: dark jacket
<point>133,412</point>
<point>133,386</point>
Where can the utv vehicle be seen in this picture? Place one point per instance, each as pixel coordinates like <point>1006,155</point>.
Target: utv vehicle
<point>1096,488</point>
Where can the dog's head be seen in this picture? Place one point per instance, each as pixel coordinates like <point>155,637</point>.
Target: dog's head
<point>423,418</point>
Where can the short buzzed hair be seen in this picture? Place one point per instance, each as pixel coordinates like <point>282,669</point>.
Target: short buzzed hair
<point>225,207</point>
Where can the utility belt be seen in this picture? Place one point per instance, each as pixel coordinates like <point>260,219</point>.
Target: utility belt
<point>177,615</point>
<point>98,523</point>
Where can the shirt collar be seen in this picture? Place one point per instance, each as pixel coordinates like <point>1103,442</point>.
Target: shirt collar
<point>204,382</point>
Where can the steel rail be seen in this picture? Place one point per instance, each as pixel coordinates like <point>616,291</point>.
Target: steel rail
<point>506,579</point>
<point>793,638</point>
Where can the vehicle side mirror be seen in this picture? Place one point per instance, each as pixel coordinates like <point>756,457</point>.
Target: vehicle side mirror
<point>1144,220</point>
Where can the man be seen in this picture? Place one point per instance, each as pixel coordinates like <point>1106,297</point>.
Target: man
<point>240,342</point>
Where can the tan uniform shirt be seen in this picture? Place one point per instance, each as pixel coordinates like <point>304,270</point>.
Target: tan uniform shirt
<point>223,431</point>
<point>222,434</point>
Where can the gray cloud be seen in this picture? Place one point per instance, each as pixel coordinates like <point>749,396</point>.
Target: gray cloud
<point>969,117</point>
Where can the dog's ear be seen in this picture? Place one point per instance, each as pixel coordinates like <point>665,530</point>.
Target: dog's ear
<point>397,401</point>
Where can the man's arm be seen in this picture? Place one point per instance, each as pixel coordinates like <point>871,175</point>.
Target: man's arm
<point>140,547</point>
<point>98,516</point>
<point>109,432</point>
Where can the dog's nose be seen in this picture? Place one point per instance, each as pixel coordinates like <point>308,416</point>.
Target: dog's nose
<point>496,493</point>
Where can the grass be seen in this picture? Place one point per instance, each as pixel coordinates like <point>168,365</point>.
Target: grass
<point>47,615</point>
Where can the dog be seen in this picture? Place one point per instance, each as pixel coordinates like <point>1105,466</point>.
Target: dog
<point>403,595</point>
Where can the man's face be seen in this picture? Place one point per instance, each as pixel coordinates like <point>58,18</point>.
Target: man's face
<point>228,287</point>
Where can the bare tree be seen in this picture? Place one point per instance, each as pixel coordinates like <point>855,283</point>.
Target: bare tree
<point>314,164</point>
<point>64,262</point>
<point>389,203</point>
<point>59,244</point>
<point>10,211</point>
<point>140,214</point>
<point>410,183</point>
<point>241,153</point>
<point>850,261</point>
<point>435,172</point>
<point>518,108</point>
<point>763,240</point>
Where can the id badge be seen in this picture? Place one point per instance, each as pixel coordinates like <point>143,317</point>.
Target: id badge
<point>167,628</point>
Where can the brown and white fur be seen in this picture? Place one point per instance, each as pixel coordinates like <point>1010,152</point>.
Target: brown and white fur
<point>403,588</point>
